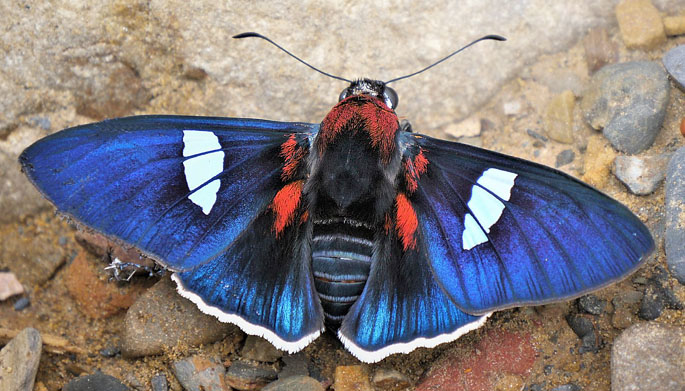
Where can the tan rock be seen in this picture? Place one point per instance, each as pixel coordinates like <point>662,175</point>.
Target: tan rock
<point>599,158</point>
<point>640,23</point>
<point>674,25</point>
<point>559,117</point>
<point>352,378</point>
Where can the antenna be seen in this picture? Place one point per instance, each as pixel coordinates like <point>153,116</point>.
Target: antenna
<point>487,37</point>
<point>256,35</point>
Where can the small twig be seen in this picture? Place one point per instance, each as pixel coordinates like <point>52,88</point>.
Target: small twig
<point>51,343</point>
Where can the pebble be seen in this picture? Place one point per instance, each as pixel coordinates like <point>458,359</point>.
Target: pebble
<point>351,378</point>
<point>642,175</point>
<point>599,49</point>
<point>248,376</point>
<point>559,117</point>
<point>19,361</point>
<point>95,382</point>
<point>294,365</point>
<point>674,25</point>
<point>259,349</point>
<point>110,351</point>
<point>675,215</point>
<point>199,373</point>
<point>390,380</point>
<point>537,136</point>
<point>9,285</point>
<point>511,107</point>
<point>649,356</point>
<point>674,62</point>
<point>640,24</point>
<point>159,383</point>
<point>161,319</point>
<point>585,330</point>
<point>628,101</point>
<point>599,157</point>
<point>564,157</point>
<point>22,303</point>
<point>656,298</point>
<point>470,127</point>
<point>625,307</point>
<point>567,387</point>
<point>299,383</point>
<point>88,284</point>
<point>591,304</point>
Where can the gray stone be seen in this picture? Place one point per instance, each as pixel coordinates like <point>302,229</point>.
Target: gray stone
<point>95,382</point>
<point>294,365</point>
<point>259,349</point>
<point>585,330</point>
<point>159,383</point>
<point>675,215</point>
<point>161,318</point>
<point>248,376</point>
<point>567,387</point>
<point>592,304</point>
<point>564,157</point>
<point>299,383</point>
<point>200,373</point>
<point>19,361</point>
<point>649,356</point>
<point>674,62</point>
<point>628,101</point>
<point>641,175</point>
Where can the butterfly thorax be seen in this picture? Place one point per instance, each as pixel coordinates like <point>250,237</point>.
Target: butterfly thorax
<point>350,191</point>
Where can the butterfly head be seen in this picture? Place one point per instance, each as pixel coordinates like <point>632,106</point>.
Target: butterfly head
<point>375,88</point>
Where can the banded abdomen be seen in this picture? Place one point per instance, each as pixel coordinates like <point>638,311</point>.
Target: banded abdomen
<point>341,261</point>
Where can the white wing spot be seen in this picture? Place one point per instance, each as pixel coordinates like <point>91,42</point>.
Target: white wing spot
<point>200,169</point>
<point>486,207</point>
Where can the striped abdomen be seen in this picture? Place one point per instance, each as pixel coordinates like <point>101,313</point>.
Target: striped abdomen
<point>341,261</point>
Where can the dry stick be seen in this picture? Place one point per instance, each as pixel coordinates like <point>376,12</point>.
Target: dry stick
<point>51,343</point>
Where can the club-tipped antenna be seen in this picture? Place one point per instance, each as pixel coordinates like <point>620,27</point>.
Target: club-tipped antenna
<point>256,35</point>
<point>487,37</point>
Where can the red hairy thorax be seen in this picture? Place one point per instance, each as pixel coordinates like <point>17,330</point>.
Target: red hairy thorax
<point>365,113</point>
<point>284,205</point>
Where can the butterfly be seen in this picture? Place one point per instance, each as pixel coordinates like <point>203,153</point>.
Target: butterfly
<point>392,239</point>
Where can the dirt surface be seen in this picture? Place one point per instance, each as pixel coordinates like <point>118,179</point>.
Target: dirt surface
<point>54,312</point>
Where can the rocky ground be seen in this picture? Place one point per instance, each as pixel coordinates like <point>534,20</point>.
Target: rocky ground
<point>609,109</point>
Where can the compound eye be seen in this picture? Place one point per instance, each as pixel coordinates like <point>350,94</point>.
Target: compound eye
<point>344,94</point>
<point>390,97</point>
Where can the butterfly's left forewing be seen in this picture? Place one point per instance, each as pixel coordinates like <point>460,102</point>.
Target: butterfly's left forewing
<point>201,196</point>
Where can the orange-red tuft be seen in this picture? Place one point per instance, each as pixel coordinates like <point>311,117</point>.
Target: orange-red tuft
<point>285,204</point>
<point>291,153</point>
<point>406,221</point>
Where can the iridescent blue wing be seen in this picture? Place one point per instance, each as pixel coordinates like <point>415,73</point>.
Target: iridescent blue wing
<point>502,232</point>
<point>402,306</point>
<point>189,192</point>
